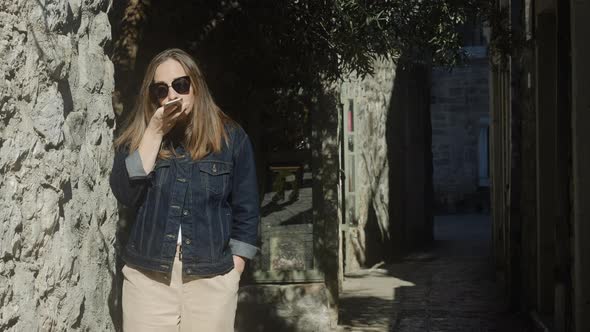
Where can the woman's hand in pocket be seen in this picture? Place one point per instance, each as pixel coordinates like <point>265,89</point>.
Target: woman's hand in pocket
<point>239,263</point>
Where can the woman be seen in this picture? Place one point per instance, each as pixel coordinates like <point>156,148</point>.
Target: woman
<point>189,173</point>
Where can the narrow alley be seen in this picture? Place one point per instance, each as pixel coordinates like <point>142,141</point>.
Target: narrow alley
<point>348,165</point>
<point>448,288</point>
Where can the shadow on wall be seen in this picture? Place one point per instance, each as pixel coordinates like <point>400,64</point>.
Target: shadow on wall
<point>378,245</point>
<point>406,210</point>
<point>409,137</point>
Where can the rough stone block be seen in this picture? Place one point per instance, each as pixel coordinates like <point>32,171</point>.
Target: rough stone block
<point>56,272</point>
<point>455,92</point>
<point>439,132</point>
<point>296,307</point>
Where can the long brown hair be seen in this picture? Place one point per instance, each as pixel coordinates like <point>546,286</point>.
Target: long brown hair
<point>205,132</point>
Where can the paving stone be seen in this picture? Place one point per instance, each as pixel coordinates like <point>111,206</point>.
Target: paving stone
<point>450,288</point>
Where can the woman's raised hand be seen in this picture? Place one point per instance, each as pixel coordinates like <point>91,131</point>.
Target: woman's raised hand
<point>164,119</point>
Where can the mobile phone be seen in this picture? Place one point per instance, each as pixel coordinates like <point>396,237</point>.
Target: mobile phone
<point>170,105</point>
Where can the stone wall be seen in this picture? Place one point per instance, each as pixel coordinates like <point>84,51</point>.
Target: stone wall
<point>389,210</point>
<point>296,307</point>
<point>370,225</point>
<point>57,215</point>
<point>459,109</point>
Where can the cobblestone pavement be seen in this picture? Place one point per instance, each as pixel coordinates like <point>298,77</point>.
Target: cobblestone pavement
<point>449,288</point>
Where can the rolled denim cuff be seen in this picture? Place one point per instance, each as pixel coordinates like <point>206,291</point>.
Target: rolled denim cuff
<point>242,249</point>
<point>134,166</point>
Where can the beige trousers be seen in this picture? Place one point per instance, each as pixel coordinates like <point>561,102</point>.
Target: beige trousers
<point>152,301</point>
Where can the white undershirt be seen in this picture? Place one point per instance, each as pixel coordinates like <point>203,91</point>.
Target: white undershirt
<point>179,241</point>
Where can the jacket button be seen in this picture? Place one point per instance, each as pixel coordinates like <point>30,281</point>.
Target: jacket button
<point>185,212</point>
<point>187,241</point>
<point>189,270</point>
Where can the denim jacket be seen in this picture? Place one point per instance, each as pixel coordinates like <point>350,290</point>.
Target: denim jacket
<point>215,199</point>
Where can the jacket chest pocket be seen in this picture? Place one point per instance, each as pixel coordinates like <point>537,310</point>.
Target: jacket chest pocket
<point>214,176</point>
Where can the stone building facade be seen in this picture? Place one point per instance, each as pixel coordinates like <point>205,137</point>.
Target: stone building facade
<point>385,157</point>
<point>460,125</point>
<point>540,127</point>
<point>57,216</point>
<point>365,103</point>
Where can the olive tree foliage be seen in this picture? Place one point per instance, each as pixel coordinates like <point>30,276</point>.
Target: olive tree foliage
<point>301,43</point>
<point>277,54</point>
<point>307,42</point>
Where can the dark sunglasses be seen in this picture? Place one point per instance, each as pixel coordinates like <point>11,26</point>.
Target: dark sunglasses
<point>181,85</point>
